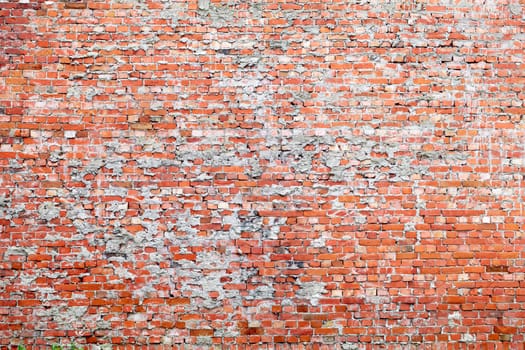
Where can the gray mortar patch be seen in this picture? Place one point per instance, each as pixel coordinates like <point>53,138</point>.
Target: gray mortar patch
<point>25,251</point>
<point>312,291</point>
<point>115,164</point>
<point>272,229</point>
<point>204,5</point>
<point>64,316</point>
<point>48,211</point>
<point>118,244</point>
<point>149,163</point>
<point>5,208</point>
<point>261,293</point>
<point>173,11</point>
<point>219,14</point>
<point>515,9</point>
<point>187,222</point>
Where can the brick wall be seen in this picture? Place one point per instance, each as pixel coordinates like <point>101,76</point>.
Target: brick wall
<point>196,173</point>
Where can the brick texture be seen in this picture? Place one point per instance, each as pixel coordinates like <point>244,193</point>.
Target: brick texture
<point>326,174</point>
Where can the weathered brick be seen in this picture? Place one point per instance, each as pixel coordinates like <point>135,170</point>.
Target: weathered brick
<point>331,174</point>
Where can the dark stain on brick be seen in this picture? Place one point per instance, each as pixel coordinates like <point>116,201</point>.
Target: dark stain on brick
<point>498,268</point>
<point>252,331</point>
<point>75,5</point>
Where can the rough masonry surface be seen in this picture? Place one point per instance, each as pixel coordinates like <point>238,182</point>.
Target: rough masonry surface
<point>258,174</point>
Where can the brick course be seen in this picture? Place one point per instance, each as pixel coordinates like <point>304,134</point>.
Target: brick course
<point>262,174</point>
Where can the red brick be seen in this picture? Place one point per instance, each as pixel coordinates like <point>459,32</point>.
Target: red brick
<point>201,332</point>
<point>505,329</point>
<point>75,5</point>
<point>454,299</point>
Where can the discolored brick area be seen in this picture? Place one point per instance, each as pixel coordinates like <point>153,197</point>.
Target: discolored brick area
<point>262,174</point>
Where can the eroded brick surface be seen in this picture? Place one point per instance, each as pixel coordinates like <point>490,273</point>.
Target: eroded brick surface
<point>266,173</point>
